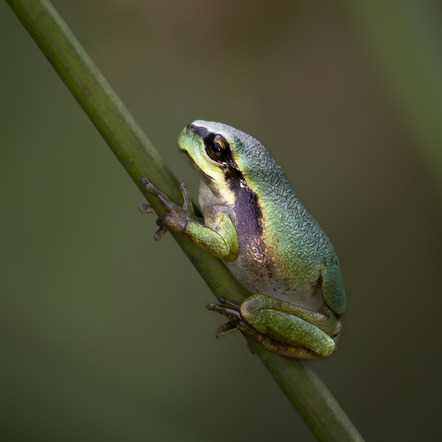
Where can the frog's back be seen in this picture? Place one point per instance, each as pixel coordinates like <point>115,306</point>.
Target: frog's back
<point>300,243</point>
<point>297,250</point>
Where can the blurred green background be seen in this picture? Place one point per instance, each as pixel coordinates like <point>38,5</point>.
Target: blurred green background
<point>104,335</point>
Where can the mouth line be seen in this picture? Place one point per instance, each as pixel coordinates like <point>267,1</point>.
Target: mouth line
<point>194,165</point>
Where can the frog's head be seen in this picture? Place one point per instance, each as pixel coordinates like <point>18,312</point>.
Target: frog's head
<point>208,149</point>
<point>223,156</point>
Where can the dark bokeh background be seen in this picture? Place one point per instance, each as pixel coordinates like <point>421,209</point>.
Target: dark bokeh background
<point>103,330</point>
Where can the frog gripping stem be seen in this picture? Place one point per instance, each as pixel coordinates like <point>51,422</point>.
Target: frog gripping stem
<point>176,217</point>
<point>146,208</point>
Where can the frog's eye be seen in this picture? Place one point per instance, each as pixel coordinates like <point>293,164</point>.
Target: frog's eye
<point>219,149</point>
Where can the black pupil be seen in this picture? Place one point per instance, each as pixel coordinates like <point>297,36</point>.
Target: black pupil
<point>217,147</point>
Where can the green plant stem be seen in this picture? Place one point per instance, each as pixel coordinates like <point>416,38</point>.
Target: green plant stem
<point>130,145</point>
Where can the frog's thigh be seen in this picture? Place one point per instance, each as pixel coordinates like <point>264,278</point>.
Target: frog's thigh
<point>257,303</point>
<point>287,328</point>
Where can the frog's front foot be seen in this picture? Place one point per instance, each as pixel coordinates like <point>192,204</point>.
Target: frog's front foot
<point>176,217</point>
<point>145,208</point>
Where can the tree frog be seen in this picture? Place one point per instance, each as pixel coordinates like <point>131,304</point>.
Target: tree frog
<point>255,223</point>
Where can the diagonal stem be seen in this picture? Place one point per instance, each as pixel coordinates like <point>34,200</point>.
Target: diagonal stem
<point>130,145</point>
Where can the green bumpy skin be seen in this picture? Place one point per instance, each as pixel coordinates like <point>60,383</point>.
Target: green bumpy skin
<point>255,223</point>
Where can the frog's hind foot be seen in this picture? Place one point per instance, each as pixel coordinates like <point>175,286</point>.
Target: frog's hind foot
<point>231,311</point>
<point>224,329</point>
<point>226,302</point>
<point>226,308</point>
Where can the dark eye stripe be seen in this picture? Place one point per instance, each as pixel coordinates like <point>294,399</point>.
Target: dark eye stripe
<point>203,132</point>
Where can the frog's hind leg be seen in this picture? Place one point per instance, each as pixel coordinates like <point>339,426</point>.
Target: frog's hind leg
<point>284,326</point>
<point>277,331</point>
